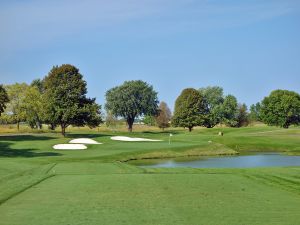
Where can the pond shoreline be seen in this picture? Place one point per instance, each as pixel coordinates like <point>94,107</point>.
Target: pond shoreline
<point>244,160</point>
<point>182,155</point>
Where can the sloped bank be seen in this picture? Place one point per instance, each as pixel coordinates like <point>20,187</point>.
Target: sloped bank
<point>217,150</point>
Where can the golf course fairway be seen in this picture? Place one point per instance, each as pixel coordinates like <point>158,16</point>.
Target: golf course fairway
<point>39,185</point>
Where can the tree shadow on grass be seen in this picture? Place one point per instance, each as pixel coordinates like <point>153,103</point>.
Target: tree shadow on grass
<point>6,149</point>
<point>87,135</point>
<point>161,132</point>
<point>25,137</point>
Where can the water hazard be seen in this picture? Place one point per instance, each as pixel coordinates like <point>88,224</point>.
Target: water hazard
<point>240,161</point>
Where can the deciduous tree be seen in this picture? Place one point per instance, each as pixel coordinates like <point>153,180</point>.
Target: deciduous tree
<point>242,116</point>
<point>66,100</point>
<point>149,120</point>
<point>33,107</point>
<point>39,84</point>
<point>164,116</point>
<point>190,109</point>
<point>110,120</point>
<point>281,108</point>
<point>132,99</point>
<point>15,108</point>
<point>230,111</point>
<point>3,99</point>
<point>214,99</point>
<point>255,114</point>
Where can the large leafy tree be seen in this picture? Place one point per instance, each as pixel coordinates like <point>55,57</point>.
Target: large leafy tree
<point>190,109</point>
<point>230,111</point>
<point>214,99</point>
<point>132,99</point>
<point>3,99</point>
<point>281,108</point>
<point>66,100</point>
<point>15,108</point>
<point>164,116</point>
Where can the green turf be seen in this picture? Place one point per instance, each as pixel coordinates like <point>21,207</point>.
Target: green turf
<point>41,186</point>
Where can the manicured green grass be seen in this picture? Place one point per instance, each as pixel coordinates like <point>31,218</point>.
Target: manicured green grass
<point>41,186</point>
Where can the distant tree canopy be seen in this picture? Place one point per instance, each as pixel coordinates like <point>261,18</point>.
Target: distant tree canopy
<point>15,107</point>
<point>190,109</point>
<point>60,100</point>
<point>230,111</point>
<point>223,109</point>
<point>66,102</point>
<point>164,116</point>
<point>3,99</point>
<point>110,120</point>
<point>25,105</point>
<point>132,99</point>
<point>255,114</point>
<point>281,108</point>
<point>33,107</point>
<point>242,116</point>
<point>214,99</point>
<point>149,120</point>
<point>39,84</point>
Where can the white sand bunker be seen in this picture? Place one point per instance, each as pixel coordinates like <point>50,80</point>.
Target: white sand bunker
<point>123,138</point>
<point>70,147</point>
<point>84,141</point>
<point>76,144</point>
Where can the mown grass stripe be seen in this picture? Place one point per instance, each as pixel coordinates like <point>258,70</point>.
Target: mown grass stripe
<point>4,200</point>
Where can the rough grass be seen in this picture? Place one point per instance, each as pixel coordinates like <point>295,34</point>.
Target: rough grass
<point>41,186</point>
<point>24,128</point>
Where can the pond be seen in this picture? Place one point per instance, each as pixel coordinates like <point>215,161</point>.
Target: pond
<point>239,161</point>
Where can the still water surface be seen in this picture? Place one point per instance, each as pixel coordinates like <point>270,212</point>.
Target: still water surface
<point>240,161</point>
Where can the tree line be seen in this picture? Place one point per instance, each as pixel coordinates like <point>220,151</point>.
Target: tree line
<point>57,100</point>
<point>60,99</point>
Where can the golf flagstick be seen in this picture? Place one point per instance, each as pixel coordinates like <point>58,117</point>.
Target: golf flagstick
<point>171,135</point>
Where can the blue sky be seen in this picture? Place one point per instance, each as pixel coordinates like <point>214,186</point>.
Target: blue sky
<point>248,47</point>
